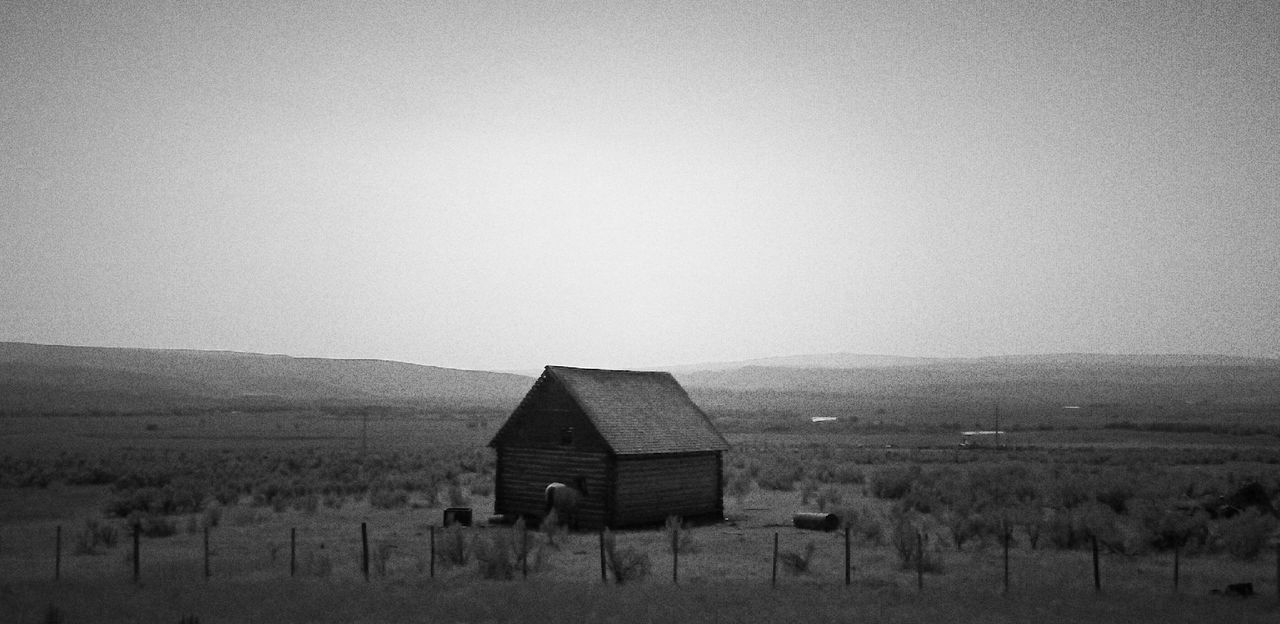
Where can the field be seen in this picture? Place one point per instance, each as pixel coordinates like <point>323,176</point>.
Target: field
<point>254,478</point>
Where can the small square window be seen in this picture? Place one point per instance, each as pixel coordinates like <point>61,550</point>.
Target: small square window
<point>566,436</point>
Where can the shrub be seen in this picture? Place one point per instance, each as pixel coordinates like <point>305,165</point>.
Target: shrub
<point>212,514</point>
<point>679,535</point>
<point>780,477</point>
<point>152,525</point>
<point>482,487</point>
<point>457,498</point>
<point>453,547</point>
<point>894,482</point>
<point>1245,535</point>
<point>625,563</point>
<point>381,555</point>
<point>551,528</point>
<point>861,524</point>
<point>498,555</point>
<point>738,486</point>
<point>388,499</point>
<point>93,535</point>
<point>910,543</point>
<point>808,490</point>
<point>848,474</point>
<point>828,498</point>
<point>798,562</point>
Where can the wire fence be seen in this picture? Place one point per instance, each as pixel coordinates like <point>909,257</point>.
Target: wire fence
<point>772,556</point>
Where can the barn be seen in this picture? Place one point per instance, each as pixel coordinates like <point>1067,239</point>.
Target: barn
<point>634,440</point>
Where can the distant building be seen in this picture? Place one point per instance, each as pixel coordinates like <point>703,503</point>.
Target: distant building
<point>640,446</point>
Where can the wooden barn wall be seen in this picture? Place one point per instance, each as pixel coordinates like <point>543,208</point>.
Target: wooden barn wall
<point>650,488</point>
<point>525,472</point>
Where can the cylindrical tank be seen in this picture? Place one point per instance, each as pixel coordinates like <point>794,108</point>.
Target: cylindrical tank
<point>816,521</point>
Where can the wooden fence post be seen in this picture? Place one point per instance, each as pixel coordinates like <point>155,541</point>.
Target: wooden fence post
<point>675,556</point>
<point>1177,564</point>
<point>433,551</point>
<point>364,550</point>
<point>137,558</point>
<point>774,580</point>
<point>604,576</point>
<point>524,551</point>
<point>1097,573</point>
<point>293,551</point>
<point>846,556</point>
<point>206,552</point>
<point>57,554</point>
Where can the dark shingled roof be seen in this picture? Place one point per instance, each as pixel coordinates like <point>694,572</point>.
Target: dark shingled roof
<point>639,413</point>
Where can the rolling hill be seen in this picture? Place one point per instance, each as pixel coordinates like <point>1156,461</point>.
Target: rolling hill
<point>62,378</point>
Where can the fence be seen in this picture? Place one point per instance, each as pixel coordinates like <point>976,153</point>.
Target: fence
<point>361,553</point>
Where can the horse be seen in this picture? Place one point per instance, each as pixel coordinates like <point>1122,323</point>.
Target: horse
<point>563,500</point>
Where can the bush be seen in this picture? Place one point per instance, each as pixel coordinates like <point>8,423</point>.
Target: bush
<point>798,562</point>
<point>152,525</point>
<point>1245,535</point>
<point>738,486</point>
<point>551,528</point>
<point>680,535</point>
<point>454,548</point>
<point>828,497</point>
<point>388,499</point>
<point>498,555</point>
<point>910,543</point>
<point>482,487</point>
<point>894,482</point>
<point>457,498</point>
<point>93,535</point>
<point>627,563</point>
<point>861,524</point>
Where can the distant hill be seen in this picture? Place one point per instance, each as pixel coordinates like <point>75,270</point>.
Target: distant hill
<point>62,378</point>
<point>1061,379</point>
<point>857,360</point>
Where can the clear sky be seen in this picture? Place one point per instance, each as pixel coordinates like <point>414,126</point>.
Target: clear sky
<point>507,185</point>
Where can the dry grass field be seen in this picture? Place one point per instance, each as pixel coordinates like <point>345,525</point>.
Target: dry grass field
<point>724,570</point>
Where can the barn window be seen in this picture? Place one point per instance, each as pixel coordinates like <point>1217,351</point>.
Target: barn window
<point>566,436</point>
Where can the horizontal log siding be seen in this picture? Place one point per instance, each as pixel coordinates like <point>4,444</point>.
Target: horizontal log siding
<point>651,488</point>
<point>521,487</point>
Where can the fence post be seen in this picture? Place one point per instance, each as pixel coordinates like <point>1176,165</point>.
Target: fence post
<point>1097,574</point>
<point>206,552</point>
<point>137,559</point>
<point>433,551</point>
<point>1176,566</point>
<point>774,580</point>
<point>919,561</point>
<point>57,554</point>
<point>604,576</point>
<point>524,551</point>
<point>364,550</point>
<point>293,551</point>
<point>846,556</point>
<point>1278,569</point>
<point>675,556</point>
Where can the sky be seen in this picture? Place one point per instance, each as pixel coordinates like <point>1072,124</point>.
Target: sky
<point>507,185</point>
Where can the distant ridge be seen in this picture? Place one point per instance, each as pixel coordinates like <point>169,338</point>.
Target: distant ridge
<point>52,377</point>
<point>855,360</point>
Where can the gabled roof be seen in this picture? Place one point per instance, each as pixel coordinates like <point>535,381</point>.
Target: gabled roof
<point>639,412</point>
